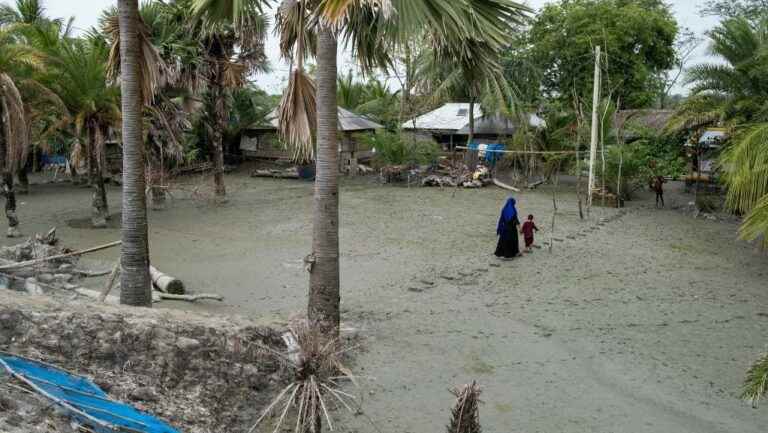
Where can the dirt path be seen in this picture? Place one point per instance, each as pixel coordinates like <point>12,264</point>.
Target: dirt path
<point>645,322</point>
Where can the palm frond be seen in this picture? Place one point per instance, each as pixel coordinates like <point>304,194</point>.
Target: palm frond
<point>154,72</point>
<point>317,369</point>
<point>745,166</point>
<point>465,415</point>
<point>298,116</point>
<point>14,125</point>
<point>755,225</point>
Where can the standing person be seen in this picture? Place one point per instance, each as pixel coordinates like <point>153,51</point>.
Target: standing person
<point>509,244</point>
<point>658,187</point>
<point>527,230</point>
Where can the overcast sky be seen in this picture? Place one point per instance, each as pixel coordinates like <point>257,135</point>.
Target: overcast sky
<point>86,13</point>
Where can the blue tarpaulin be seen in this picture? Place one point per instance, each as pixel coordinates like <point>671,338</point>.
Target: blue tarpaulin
<point>46,159</point>
<point>82,399</point>
<point>489,152</point>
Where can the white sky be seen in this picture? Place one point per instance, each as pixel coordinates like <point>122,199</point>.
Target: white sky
<point>86,13</point>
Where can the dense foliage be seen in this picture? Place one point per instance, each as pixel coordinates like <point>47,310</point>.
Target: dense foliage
<point>395,149</point>
<point>637,38</point>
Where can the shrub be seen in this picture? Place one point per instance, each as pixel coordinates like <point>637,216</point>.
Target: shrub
<point>394,149</point>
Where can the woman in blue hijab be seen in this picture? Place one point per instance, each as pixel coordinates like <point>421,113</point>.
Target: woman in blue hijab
<point>509,244</point>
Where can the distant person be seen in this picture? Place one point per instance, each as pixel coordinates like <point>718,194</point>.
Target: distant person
<point>509,244</point>
<point>529,226</point>
<point>658,187</point>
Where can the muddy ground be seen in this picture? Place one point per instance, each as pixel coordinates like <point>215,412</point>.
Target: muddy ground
<point>645,323</point>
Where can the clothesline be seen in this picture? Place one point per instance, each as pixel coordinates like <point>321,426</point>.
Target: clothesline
<point>529,152</point>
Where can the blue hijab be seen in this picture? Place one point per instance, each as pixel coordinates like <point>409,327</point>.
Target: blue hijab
<point>508,213</point>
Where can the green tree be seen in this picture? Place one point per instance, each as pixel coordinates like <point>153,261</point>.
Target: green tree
<point>750,9</point>
<point>637,38</point>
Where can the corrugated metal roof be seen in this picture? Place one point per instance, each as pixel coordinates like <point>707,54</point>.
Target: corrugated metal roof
<point>500,125</point>
<point>348,122</point>
<point>454,117</point>
<point>450,117</point>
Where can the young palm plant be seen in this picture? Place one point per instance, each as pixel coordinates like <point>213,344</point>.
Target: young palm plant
<point>465,415</point>
<point>317,367</point>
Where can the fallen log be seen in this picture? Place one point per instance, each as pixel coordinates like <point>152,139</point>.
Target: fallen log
<point>188,298</point>
<point>503,185</point>
<point>166,283</point>
<point>535,185</point>
<point>58,257</point>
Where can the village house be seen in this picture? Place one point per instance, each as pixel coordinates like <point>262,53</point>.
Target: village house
<point>262,141</point>
<point>449,125</point>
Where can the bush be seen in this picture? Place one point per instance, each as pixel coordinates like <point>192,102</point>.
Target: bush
<point>640,161</point>
<point>394,149</point>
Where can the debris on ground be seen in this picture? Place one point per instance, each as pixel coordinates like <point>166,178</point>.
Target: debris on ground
<point>39,266</point>
<point>80,400</point>
<point>287,173</point>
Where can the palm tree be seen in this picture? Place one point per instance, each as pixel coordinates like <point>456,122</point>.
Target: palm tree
<point>77,73</point>
<point>14,62</point>
<point>135,285</point>
<point>368,27</point>
<point>163,42</point>
<point>732,93</point>
<point>27,16</point>
<point>231,41</point>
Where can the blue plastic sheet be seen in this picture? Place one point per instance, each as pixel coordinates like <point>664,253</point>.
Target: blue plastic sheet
<point>89,402</point>
<point>489,152</point>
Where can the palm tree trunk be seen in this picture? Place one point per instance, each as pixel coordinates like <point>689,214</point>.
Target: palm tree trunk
<point>99,198</point>
<point>23,177</point>
<point>220,113</point>
<point>324,281</point>
<point>7,181</point>
<point>135,285</point>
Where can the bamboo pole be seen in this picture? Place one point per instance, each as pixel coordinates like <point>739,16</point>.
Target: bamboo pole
<point>58,257</point>
<point>593,142</point>
<point>110,282</point>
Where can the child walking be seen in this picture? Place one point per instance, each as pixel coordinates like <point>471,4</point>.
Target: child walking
<point>527,230</point>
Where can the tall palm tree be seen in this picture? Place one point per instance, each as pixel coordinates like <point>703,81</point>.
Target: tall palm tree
<point>163,47</point>
<point>231,41</point>
<point>135,285</point>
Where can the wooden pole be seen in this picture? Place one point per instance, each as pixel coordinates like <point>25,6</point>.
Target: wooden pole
<point>58,257</point>
<point>595,134</point>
